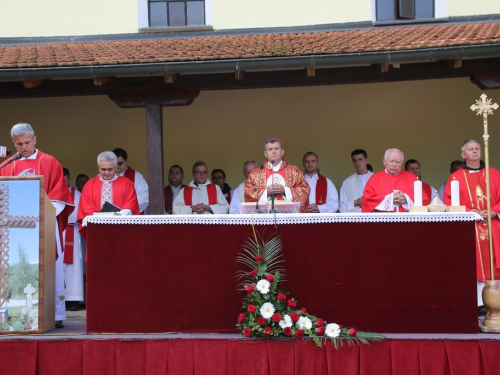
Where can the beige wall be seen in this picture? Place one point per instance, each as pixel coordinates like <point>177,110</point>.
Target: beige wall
<point>34,18</point>
<point>428,120</point>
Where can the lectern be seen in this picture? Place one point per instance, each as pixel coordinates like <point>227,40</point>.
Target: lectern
<point>27,256</point>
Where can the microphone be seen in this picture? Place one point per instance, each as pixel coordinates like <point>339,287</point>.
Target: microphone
<point>16,157</point>
<point>258,189</point>
<point>4,151</point>
<point>272,191</point>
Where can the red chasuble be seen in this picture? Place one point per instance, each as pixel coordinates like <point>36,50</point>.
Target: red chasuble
<point>54,184</point>
<point>428,191</point>
<point>124,196</point>
<point>473,196</point>
<point>294,179</point>
<point>382,183</point>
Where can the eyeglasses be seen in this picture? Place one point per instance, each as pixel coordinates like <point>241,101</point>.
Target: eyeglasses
<point>120,163</point>
<point>200,172</point>
<point>106,169</point>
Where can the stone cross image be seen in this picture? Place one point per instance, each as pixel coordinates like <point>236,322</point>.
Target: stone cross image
<point>6,222</point>
<point>29,291</point>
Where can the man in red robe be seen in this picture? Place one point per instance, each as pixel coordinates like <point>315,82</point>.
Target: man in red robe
<point>284,180</point>
<point>472,183</point>
<point>32,162</point>
<point>390,190</point>
<point>107,187</point>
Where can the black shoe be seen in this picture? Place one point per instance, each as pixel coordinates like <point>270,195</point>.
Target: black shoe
<point>59,324</point>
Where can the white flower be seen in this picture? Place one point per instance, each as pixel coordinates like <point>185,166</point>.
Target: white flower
<point>263,286</point>
<point>267,310</point>
<point>332,330</point>
<point>286,321</point>
<point>304,322</point>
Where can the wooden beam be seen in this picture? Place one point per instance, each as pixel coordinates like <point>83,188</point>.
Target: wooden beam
<point>239,75</point>
<point>100,81</point>
<point>310,71</point>
<point>30,83</point>
<point>154,123</point>
<point>456,63</point>
<point>144,95</point>
<point>170,78</point>
<point>486,80</point>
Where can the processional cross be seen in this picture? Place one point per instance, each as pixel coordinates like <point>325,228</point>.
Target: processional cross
<point>485,107</point>
<point>6,222</point>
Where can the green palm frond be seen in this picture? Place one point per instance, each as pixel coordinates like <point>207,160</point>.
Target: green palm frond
<point>270,250</point>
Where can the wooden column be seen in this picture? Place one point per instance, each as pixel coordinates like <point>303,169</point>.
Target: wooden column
<point>154,123</point>
<point>154,97</point>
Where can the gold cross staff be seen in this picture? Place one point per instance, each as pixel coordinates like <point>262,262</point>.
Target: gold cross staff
<point>485,108</point>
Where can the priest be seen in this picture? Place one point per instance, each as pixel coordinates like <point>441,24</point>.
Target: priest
<point>472,183</point>
<point>390,190</point>
<point>30,161</point>
<point>278,178</point>
<point>107,186</point>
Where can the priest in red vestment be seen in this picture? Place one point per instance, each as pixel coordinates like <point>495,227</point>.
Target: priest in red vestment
<point>288,183</point>
<point>32,162</point>
<point>390,190</point>
<point>472,184</point>
<point>107,187</point>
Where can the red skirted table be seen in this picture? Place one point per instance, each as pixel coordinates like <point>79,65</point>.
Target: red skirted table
<point>399,273</point>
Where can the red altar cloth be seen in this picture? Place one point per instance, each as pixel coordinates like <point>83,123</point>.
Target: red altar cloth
<point>409,277</point>
<point>263,357</point>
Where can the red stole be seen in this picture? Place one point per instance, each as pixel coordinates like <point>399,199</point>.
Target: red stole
<point>69,239</point>
<point>130,174</point>
<point>169,197</point>
<point>212,195</point>
<point>281,172</point>
<point>321,189</point>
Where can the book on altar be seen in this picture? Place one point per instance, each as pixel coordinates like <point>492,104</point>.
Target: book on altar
<point>108,209</point>
<point>282,207</point>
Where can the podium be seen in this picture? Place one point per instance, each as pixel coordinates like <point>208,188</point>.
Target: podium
<point>27,256</point>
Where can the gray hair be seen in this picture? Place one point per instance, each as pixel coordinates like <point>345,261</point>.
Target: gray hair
<point>469,141</point>
<point>394,149</point>
<point>249,162</point>
<point>21,129</point>
<point>107,156</point>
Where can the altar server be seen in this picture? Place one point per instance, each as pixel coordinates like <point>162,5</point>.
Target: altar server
<point>238,194</point>
<point>32,162</point>
<point>323,196</point>
<point>351,191</point>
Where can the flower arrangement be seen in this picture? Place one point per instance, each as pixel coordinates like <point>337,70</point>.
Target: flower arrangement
<point>270,312</point>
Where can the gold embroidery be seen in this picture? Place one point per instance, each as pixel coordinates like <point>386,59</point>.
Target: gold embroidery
<point>484,233</point>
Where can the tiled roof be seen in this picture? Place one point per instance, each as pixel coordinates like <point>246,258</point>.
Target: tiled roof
<point>248,46</point>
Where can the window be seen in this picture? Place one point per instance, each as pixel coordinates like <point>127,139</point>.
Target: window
<point>165,13</point>
<point>408,10</point>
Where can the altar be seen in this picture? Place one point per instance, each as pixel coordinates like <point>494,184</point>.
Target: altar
<point>389,272</point>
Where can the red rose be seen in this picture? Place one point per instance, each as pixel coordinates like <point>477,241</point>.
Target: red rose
<point>294,317</point>
<point>303,309</point>
<point>258,259</point>
<point>276,317</point>
<point>267,331</point>
<point>320,323</point>
<point>261,321</point>
<point>250,288</point>
<point>352,332</point>
<point>281,297</point>
<point>251,308</point>
<point>340,326</point>
<point>321,331</point>
<point>247,332</point>
<point>299,334</point>
<point>291,304</point>
<point>270,278</point>
<point>287,331</point>
<point>241,318</point>
<point>254,273</point>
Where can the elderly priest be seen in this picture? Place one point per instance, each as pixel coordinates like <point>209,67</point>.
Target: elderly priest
<point>390,190</point>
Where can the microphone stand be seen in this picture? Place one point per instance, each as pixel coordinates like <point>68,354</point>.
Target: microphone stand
<point>16,157</point>
<point>272,190</point>
<point>257,211</point>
